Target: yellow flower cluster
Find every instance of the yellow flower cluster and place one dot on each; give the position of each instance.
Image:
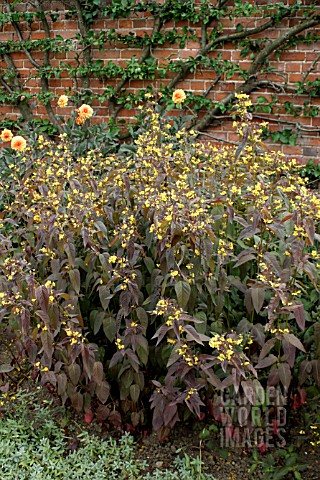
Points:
(227, 346)
(316, 435)
(280, 331)
(119, 344)
(168, 308)
(225, 248)
(243, 103)
(191, 392)
(75, 336)
(43, 369)
(190, 359)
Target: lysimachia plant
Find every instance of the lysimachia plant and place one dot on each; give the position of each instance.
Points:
(169, 273)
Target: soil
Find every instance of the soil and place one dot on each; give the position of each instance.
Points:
(221, 462)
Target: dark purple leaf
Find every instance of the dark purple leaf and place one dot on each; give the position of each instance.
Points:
(289, 351)
(266, 361)
(47, 341)
(289, 337)
(316, 371)
(249, 390)
(267, 347)
(102, 391)
(258, 296)
(97, 374)
(74, 372)
(285, 375)
(42, 296)
(305, 369)
(308, 224)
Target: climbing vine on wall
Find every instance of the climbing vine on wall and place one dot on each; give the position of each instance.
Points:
(209, 26)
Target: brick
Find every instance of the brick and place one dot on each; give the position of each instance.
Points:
(310, 152)
(293, 56)
(108, 54)
(310, 56)
(55, 82)
(130, 52)
(164, 53)
(125, 24)
(292, 150)
(293, 67)
(294, 77)
(192, 45)
(38, 35)
(111, 23)
(71, 26)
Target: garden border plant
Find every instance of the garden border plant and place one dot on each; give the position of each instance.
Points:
(168, 274)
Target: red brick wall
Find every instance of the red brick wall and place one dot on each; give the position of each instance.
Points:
(291, 66)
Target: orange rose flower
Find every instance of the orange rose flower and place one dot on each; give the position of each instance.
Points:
(85, 111)
(18, 143)
(63, 101)
(6, 135)
(178, 96)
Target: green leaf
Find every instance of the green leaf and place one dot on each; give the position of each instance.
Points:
(281, 473)
(5, 368)
(104, 295)
(46, 339)
(142, 349)
(109, 328)
(134, 392)
(201, 327)
(142, 317)
(96, 321)
(126, 378)
(149, 263)
(183, 291)
(75, 280)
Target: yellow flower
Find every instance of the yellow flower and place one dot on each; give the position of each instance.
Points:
(18, 143)
(63, 101)
(6, 135)
(178, 96)
(85, 111)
